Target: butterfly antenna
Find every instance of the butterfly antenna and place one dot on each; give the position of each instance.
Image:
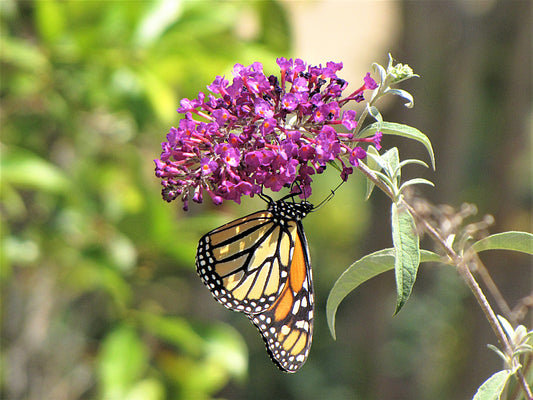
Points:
(264, 197)
(328, 197)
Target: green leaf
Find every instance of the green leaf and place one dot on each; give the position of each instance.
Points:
(147, 389)
(507, 327)
(412, 161)
(358, 273)
(416, 181)
(512, 240)
(361, 271)
(377, 160)
(493, 387)
(174, 330)
(22, 54)
(388, 162)
(50, 20)
(157, 19)
(392, 128)
(407, 252)
(387, 181)
(392, 159)
(403, 94)
(160, 95)
(374, 112)
(274, 26)
(382, 72)
(23, 168)
(500, 353)
(372, 163)
(122, 358)
(226, 349)
(217, 351)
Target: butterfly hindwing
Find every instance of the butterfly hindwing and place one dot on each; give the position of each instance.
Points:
(287, 327)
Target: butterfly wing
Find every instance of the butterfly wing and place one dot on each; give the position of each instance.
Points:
(245, 263)
(287, 326)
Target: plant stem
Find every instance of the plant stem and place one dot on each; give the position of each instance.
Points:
(493, 289)
(464, 271)
(523, 383)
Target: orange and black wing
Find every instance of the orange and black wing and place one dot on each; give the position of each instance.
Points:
(245, 263)
(287, 326)
(259, 265)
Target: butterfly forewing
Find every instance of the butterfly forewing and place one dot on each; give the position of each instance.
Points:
(245, 262)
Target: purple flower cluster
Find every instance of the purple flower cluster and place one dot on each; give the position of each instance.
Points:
(261, 132)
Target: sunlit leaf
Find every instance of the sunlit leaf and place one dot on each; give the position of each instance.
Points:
(161, 15)
(392, 128)
(377, 160)
(21, 53)
(507, 327)
(416, 181)
(24, 169)
(405, 95)
(161, 96)
(361, 271)
(227, 349)
(407, 252)
(500, 353)
(147, 389)
(174, 330)
(392, 160)
(226, 357)
(122, 252)
(121, 360)
(512, 240)
(91, 273)
(372, 163)
(50, 19)
(374, 112)
(19, 250)
(493, 387)
(207, 357)
(382, 72)
(412, 161)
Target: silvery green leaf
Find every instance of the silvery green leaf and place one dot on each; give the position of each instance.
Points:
(512, 240)
(371, 162)
(382, 72)
(407, 252)
(415, 181)
(374, 112)
(498, 352)
(361, 271)
(378, 160)
(403, 94)
(493, 387)
(392, 128)
(507, 327)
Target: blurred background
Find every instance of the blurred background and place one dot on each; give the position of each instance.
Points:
(100, 298)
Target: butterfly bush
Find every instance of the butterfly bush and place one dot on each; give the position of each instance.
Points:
(262, 132)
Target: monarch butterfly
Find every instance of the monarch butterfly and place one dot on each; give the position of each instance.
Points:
(259, 265)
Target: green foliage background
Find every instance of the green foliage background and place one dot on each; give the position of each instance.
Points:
(100, 299)
(98, 282)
